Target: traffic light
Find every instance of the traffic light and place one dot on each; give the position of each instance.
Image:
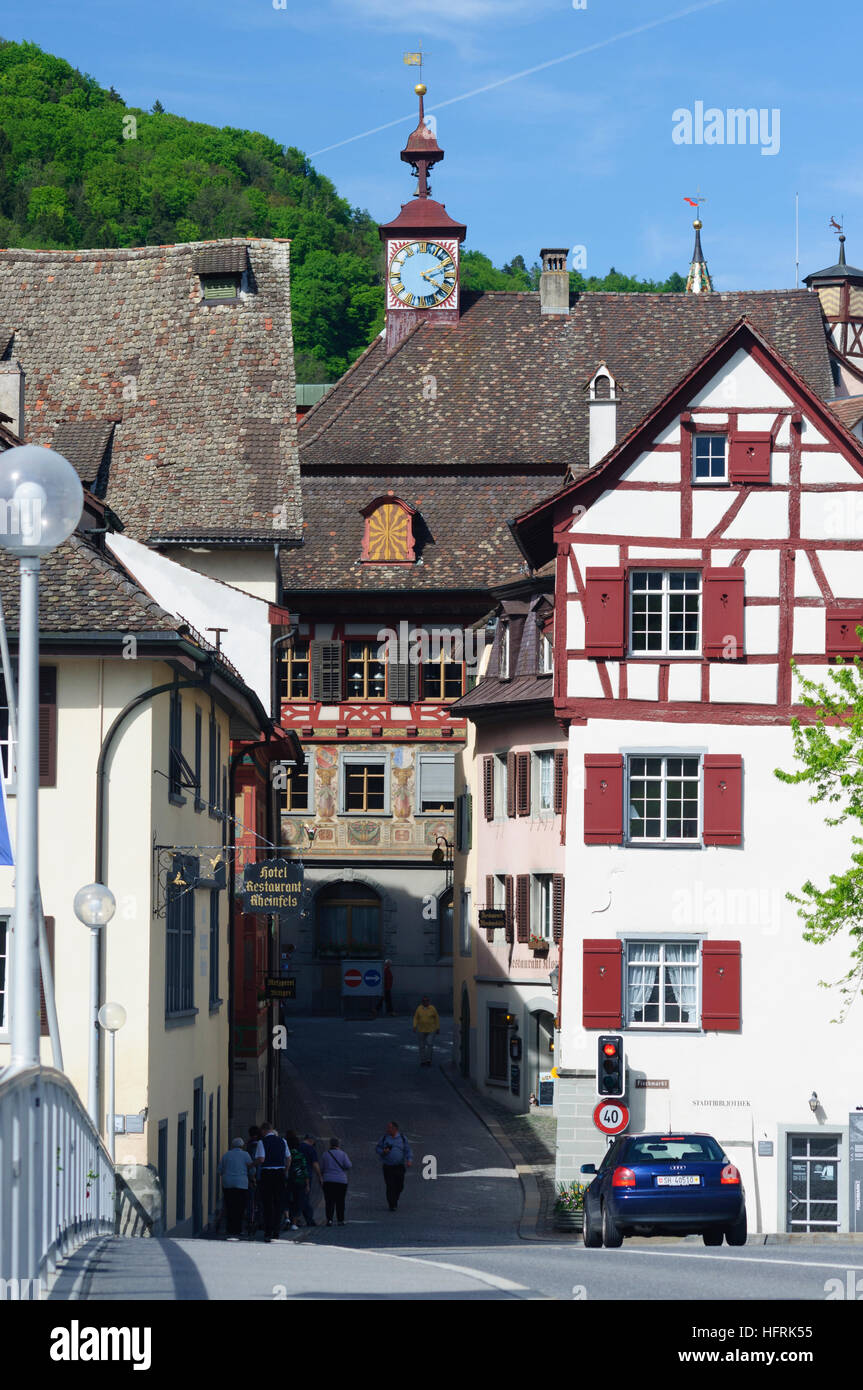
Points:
(610, 1069)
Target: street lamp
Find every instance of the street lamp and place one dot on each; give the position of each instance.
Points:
(111, 1018)
(41, 500)
(94, 906)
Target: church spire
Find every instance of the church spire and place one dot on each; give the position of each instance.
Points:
(698, 280)
(422, 150)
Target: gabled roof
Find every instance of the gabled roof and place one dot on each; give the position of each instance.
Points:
(533, 529)
(849, 410)
(203, 393)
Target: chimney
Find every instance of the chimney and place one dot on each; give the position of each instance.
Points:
(554, 282)
(12, 395)
(602, 414)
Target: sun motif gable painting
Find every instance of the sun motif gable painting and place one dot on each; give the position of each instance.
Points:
(388, 535)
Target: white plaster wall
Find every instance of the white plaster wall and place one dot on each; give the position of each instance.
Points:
(660, 552)
(832, 515)
(642, 680)
(205, 602)
(843, 570)
(761, 568)
(584, 679)
(810, 630)
(654, 468)
(827, 468)
(253, 571)
(684, 680)
(724, 894)
(780, 467)
(805, 583)
(741, 383)
(593, 557)
(756, 420)
(658, 514)
(575, 626)
(809, 434)
(763, 516)
(783, 434)
(731, 683)
(708, 508)
(761, 630)
(670, 435)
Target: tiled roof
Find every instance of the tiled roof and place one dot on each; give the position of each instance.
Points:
(468, 422)
(204, 393)
(849, 410)
(221, 260)
(491, 692)
(83, 443)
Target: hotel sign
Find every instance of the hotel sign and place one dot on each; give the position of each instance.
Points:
(275, 886)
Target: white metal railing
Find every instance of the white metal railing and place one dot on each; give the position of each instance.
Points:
(57, 1185)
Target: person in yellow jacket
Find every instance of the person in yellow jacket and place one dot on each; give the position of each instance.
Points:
(426, 1027)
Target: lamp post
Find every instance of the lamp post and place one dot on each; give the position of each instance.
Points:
(111, 1018)
(41, 500)
(94, 906)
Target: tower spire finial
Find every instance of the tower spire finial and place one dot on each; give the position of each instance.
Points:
(698, 280)
(422, 151)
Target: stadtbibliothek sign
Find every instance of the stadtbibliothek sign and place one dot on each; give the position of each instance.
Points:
(273, 886)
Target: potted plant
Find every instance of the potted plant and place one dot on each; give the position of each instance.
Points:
(537, 943)
(569, 1206)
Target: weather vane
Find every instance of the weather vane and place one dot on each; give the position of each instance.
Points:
(696, 201)
(415, 60)
(838, 226)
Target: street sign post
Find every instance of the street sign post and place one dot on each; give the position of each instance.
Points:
(361, 980)
(611, 1116)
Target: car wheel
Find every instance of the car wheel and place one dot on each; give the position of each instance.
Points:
(590, 1235)
(611, 1233)
(712, 1237)
(736, 1234)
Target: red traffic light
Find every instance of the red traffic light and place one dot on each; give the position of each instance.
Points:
(610, 1050)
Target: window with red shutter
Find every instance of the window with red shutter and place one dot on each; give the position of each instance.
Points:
(489, 902)
(841, 635)
(558, 885)
(43, 1012)
(522, 784)
(720, 986)
(603, 798)
(522, 907)
(488, 787)
(749, 457)
(604, 610)
(47, 726)
(723, 798)
(509, 906)
(602, 987)
(722, 613)
(510, 784)
(559, 781)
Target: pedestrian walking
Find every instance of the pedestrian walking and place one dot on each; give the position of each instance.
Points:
(274, 1163)
(298, 1183)
(234, 1169)
(310, 1154)
(394, 1151)
(426, 1027)
(334, 1180)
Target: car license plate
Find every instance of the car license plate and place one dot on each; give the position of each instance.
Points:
(673, 1180)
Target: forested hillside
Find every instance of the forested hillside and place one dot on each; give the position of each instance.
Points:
(78, 168)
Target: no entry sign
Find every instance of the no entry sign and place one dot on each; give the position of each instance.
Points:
(359, 978)
(611, 1117)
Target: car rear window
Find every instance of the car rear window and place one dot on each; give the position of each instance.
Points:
(696, 1148)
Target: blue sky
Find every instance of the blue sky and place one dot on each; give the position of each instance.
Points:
(579, 152)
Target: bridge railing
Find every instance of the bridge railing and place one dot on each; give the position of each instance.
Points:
(57, 1185)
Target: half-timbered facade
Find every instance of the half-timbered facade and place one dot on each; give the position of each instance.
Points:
(719, 541)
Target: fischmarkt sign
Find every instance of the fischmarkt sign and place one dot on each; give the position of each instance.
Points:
(274, 886)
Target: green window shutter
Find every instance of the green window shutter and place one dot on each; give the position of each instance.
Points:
(326, 663)
(220, 286)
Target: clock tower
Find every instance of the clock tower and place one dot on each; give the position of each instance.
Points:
(421, 246)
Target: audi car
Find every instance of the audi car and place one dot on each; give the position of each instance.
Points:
(664, 1184)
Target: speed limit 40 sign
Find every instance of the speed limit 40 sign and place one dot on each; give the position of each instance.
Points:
(611, 1117)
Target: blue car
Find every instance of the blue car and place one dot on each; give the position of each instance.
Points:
(664, 1184)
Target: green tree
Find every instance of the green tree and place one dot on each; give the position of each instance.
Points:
(829, 752)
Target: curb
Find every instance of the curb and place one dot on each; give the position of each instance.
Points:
(529, 1220)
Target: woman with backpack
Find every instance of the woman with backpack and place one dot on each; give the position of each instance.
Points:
(299, 1179)
(334, 1179)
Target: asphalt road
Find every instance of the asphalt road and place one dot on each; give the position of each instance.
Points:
(455, 1234)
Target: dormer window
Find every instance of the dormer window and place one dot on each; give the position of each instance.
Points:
(503, 653)
(220, 269)
(546, 666)
(388, 536)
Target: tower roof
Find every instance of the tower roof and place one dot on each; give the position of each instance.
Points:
(835, 273)
(698, 280)
(423, 213)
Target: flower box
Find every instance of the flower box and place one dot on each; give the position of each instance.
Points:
(537, 944)
(569, 1206)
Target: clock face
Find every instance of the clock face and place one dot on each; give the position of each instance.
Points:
(422, 274)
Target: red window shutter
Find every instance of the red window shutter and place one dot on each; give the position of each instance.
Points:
(720, 986)
(522, 784)
(604, 609)
(842, 625)
(522, 906)
(603, 798)
(602, 990)
(43, 1012)
(722, 613)
(47, 726)
(509, 905)
(557, 891)
(723, 799)
(488, 787)
(489, 902)
(559, 781)
(749, 458)
(510, 784)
